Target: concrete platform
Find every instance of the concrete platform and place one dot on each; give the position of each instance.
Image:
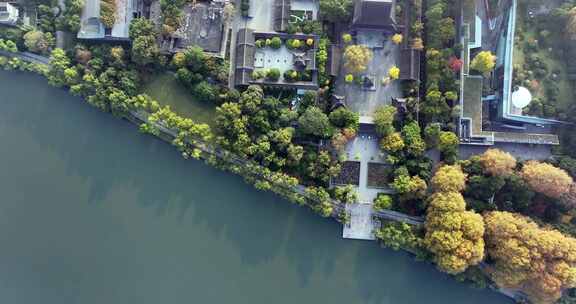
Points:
(361, 226)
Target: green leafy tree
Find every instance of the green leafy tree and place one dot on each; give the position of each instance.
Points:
(384, 119)
(344, 118)
(314, 122)
(336, 10)
(38, 42)
(413, 140)
(144, 50)
(141, 27)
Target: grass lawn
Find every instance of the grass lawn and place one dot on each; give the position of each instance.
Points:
(168, 92)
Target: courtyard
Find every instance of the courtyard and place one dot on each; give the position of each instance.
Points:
(365, 168)
(365, 100)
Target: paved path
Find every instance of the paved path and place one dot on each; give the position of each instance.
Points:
(361, 225)
(28, 57)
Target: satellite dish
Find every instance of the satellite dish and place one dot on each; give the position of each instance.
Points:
(521, 98)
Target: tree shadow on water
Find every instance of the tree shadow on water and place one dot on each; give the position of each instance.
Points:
(107, 153)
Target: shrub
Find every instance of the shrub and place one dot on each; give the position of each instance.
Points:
(273, 74)
(347, 38)
(291, 75)
(382, 202)
(397, 38)
(394, 73)
(275, 43)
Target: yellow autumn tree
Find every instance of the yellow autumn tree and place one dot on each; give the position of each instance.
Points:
(546, 179)
(540, 262)
(357, 58)
(453, 235)
(498, 162)
(484, 62)
(571, 24)
(397, 38)
(179, 59)
(394, 73)
(449, 179)
(393, 142)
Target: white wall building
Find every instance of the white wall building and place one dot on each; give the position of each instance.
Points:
(8, 13)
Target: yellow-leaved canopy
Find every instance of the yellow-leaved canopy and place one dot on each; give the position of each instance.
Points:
(540, 262)
(498, 162)
(546, 179)
(454, 235)
(449, 179)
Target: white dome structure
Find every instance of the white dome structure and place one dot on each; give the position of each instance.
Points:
(521, 98)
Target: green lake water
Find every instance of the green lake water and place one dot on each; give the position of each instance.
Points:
(165, 89)
(93, 212)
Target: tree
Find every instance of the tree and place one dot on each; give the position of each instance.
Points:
(179, 60)
(398, 235)
(498, 162)
(448, 142)
(455, 64)
(382, 202)
(144, 50)
(141, 27)
(449, 179)
(108, 13)
(349, 78)
(394, 73)
(546, 179)
(315, 122)
(383, 119)
(447, 29)
(413, 140)
(409, 187)
(397, 38)
(540, 262)
(344, 118)
(484, 62)
(515, 195)
(276, 43)
(454, 235)
(571, 23)
(59, 63)
(336, 10)
(38, 42)
(392, 143)
(346, 38)
(356, 58)
(117, 55)
(204, 91)
(8, 46)
(346, 194)
(432, 135)
(273, 74)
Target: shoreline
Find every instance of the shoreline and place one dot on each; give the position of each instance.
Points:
(224, 160)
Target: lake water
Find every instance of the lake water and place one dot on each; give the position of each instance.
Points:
(93, 212)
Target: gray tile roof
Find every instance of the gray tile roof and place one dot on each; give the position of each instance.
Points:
(374, 13)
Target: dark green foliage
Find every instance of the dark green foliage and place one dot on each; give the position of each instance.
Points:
(414, 142)
(482, 189)
(344, 118)
(273, 74)
(515, 195)
(336, 10)
(141, 27)
(315, 123)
